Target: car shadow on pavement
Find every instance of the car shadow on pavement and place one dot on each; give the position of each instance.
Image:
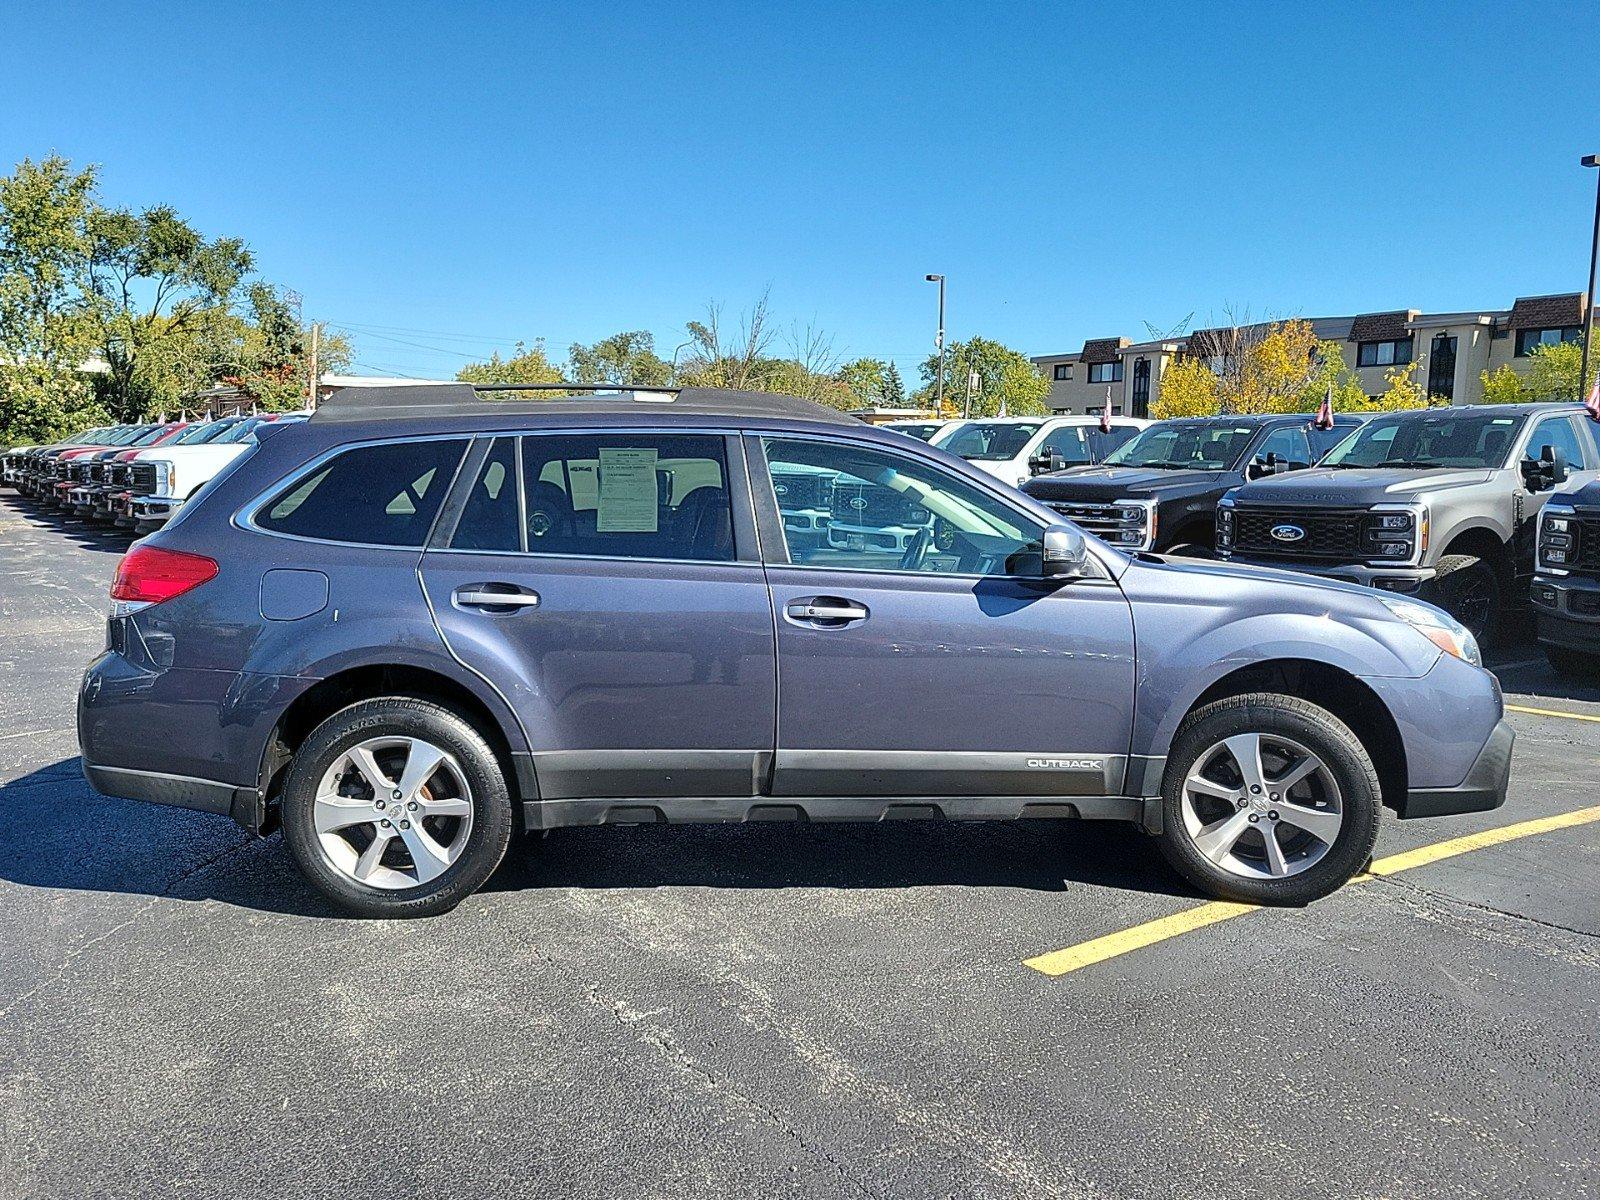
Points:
(56, 833)
(1519, 662)
(88, 535)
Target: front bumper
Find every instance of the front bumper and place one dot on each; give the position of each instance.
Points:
(1567, 610)
(153, 510)
(1388, 579)
(1484, 787)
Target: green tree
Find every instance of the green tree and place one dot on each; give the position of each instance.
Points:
(622, 358)
(528, 364)
(152, 282)
(1552, 374)
(867, 379)
(45, 333)
(894, 388)
(1007, 381)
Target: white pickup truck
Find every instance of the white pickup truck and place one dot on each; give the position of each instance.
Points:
(161, 479)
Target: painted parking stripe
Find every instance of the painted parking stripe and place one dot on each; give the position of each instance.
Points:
(1113, 945)
(1551, 712)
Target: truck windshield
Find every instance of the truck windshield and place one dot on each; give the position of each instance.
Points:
(1212, 446)
(990, 441)
(1430, 440)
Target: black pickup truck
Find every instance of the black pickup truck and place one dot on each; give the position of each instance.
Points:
(1566, 585)
(1160, 490)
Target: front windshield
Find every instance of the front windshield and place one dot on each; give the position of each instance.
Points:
(154, 434)
(1208, 446)
(920, 432)
(990, 441)
(241, 431)
(201, 433)
(1439, 439)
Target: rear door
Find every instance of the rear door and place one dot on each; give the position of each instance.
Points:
(945, 667)
(608, 585)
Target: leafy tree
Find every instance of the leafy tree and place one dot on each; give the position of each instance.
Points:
(622, 358)
(1552, 375)
(894, 388)
(1278, 367)
(867, 379)
(45, 335)
(529, 364)
(1007, 381)
(151, 281)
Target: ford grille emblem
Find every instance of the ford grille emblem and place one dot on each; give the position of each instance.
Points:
(781, 489)
(1287, 533)
(858, 503)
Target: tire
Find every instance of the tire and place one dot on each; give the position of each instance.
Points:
(1573, 664)
(1468, 589)
(457, 851)
(1344, 786)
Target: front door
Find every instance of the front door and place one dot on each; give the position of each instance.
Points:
(921, 654)
(597, 581)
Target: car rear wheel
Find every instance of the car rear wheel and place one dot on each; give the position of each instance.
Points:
(1466, 587)
(1268, 799)
(396, 807)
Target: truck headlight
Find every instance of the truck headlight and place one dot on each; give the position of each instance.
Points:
(1136, 524)
(1438, 626)
(1395, 534)
(1557, 538)
(165, 477)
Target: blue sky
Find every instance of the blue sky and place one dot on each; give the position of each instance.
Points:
(444, 180)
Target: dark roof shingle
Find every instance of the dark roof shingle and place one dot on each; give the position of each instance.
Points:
(1103, 350)
(1547, 312)
(1382, 327)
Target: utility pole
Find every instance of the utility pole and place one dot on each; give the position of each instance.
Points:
(938, 411)
(316, 346)
(1590, 160)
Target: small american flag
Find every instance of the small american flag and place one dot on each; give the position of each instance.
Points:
(1105, 414)
(1324, 417)
(1591, 402)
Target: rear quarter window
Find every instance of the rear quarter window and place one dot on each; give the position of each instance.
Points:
(383, 495)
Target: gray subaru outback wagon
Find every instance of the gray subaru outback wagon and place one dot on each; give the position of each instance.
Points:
(432, 615)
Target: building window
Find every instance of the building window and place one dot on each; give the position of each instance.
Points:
(1383, 354)
(1530, 339)
(1063, 371)
(1110, 372)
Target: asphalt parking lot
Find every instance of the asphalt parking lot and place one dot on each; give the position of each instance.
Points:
(774, 1009)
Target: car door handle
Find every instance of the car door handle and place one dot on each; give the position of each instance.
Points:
(825, 608)
(480, 595)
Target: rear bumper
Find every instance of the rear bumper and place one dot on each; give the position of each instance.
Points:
(1484, 787)
(156, 787)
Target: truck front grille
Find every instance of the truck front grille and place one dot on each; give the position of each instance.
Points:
(1330, 535)
(869, 504)
(795, 492)
(1586, 554)
(142, 478)
(1103, 520)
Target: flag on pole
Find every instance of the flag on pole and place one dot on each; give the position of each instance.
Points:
(1324, 417)
(1591, 402)
(1105, 414)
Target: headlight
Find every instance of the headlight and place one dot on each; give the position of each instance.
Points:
(164, 477)
(1439, 627)
(1556, 542)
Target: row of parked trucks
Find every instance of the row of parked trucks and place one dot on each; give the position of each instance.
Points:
(132, 476)
(1475, 509)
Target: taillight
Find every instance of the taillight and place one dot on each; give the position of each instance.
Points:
(151, 574)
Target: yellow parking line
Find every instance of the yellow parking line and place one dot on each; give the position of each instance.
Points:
(1551, 712)
(1112, 945)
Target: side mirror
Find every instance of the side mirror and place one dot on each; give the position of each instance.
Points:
(1545, 472)
(1257, 469)
(1065, 554)
(1045, 462)
(1555, 460)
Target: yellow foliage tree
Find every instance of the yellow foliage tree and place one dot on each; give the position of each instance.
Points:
(1188, 389)
(1276, 368)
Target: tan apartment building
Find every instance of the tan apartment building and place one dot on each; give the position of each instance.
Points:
(1452, 351)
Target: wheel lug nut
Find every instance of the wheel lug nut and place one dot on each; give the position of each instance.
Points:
(1256, 788)
(1273, 815)
(1243, 802)
(379, 804)
(1254, 817)
(412, 806)
(1274, 796)
(384, 823)
(396, 793)
(405, 824)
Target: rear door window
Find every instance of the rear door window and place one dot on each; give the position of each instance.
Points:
(660, 496)
(383, 495)
(489, 515)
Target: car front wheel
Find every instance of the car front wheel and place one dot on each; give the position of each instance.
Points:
(1268, 799)
(396, 807)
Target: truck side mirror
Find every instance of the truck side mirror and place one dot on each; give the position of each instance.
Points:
(1046, 461)
(1065, 555)
(1555, 460)
(1545, 472)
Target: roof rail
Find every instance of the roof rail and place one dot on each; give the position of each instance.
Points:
(468, 399)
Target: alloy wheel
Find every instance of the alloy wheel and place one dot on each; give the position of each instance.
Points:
(393, 812)
(1261, 806)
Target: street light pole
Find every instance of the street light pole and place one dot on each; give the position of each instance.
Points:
(1590, 160)
(939, 341)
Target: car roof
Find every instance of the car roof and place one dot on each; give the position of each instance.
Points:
(1263, 418)
(451, 402)
(1497, 410)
